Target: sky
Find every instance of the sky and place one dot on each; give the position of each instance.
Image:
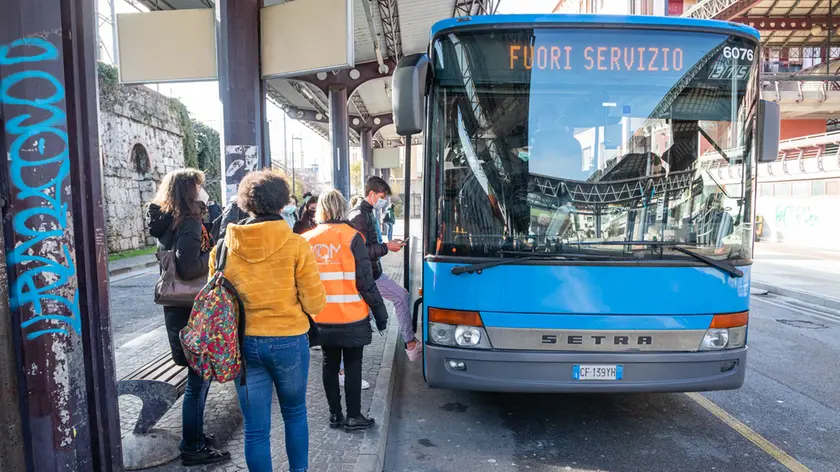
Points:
(201, 98)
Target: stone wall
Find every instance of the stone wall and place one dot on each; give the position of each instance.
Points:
(141, 139)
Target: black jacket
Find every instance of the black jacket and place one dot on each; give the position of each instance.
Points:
(304, 224)
(190, 263)
(361, 218)
(359, 333)
(231, 215)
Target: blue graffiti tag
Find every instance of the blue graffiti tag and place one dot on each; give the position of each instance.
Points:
(47, 273)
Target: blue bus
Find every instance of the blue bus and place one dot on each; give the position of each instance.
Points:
(575, 235)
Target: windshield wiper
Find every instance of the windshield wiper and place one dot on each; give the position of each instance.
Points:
(519, 256)
(469, 269)
(721, 265)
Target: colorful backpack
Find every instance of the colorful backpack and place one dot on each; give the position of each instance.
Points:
(212, 338)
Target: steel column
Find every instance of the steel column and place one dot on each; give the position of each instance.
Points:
(340, 140)
(407, 215)
(367, 153)
(54, 238)
(242, 91)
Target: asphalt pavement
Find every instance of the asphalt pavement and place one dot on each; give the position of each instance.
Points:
(785, 417)
(133, 310)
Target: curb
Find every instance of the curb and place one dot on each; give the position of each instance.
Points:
(803, 295)
(125, 270)
(372, 451)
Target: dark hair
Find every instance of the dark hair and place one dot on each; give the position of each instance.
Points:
(263, 193)
(377, 185)
(178, 195)
(307, 195)
(312, 200)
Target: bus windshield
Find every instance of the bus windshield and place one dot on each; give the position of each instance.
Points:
(548, 139)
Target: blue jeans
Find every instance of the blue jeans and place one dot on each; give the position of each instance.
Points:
(192, 413)
(280, 363)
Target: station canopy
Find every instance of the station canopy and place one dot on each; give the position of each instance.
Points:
(384, 31)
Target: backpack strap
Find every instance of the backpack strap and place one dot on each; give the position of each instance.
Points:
(221, 260)
(221, 255)
(240, 330)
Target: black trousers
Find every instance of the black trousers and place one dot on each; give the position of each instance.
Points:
(352, 378)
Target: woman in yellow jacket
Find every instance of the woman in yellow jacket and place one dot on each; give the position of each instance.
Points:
(347, 275)
(275, 273)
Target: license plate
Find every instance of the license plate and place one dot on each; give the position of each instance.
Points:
(597, 372)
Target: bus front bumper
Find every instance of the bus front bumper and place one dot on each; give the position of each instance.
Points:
(530, 371)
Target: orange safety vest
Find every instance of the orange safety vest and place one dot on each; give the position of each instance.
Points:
(331, 245)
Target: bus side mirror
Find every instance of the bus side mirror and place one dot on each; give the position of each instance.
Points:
(409, 92)
(769, 123)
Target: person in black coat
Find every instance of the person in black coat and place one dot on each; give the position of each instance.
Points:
(174, 218)
(362, 218)
(307, 219)
(230, 216)
(349, 339)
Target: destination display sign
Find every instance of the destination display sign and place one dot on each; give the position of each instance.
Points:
(603, 58)
(608, 56)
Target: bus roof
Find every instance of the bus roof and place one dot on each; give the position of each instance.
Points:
(639, 21)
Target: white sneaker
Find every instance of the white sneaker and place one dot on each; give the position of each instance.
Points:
(414, 354)
(365, 384)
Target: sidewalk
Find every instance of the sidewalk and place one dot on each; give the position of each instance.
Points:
(129, 264)
(807, 274)
(330, 450)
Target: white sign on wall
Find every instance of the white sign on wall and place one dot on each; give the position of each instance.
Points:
(306, 36)
(386, 158)
(167, 46)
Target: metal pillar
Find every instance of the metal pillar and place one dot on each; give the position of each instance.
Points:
(12, 455)
(407, 215)
(367, 154)
(55, 252)
(598, 211)
(386, 174)
(242, 91)
(340, 139)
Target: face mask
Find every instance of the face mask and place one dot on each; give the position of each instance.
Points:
(381, 203)
(203, 196)
(290, 208)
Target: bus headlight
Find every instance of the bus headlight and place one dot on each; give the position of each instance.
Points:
(727, 331)
(724, 338)
(458, 336)
(467, 336)
(443, 334)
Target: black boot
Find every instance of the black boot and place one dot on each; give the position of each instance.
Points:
(208, 455)
(336, 420)
(358, 423)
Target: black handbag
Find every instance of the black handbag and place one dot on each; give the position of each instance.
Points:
(314, 332)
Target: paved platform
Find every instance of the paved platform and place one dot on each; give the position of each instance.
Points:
(330, 450)
(804, 273)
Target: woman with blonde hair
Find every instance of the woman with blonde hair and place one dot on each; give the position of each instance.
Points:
(174, 218)
(347, 276)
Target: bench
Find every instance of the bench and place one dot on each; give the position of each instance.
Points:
(158, 384)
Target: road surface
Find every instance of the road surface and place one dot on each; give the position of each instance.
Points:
(786, 417)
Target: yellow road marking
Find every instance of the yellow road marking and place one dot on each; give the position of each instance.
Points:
(783, 457)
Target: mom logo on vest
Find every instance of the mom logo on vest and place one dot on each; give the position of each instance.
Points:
(326, 252)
